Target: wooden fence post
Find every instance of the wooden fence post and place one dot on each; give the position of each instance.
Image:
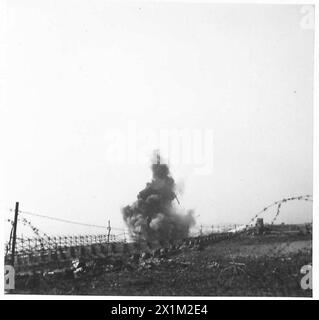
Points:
(108, 236)
(15, 225)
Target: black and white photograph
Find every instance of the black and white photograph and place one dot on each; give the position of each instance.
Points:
(157, 149)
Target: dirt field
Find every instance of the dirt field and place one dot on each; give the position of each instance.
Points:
(249, 266)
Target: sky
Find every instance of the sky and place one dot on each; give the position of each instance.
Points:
(76, 71)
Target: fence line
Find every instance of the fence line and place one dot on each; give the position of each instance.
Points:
(279, 205)
(67, 247)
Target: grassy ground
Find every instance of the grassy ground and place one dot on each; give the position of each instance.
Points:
(250, 266)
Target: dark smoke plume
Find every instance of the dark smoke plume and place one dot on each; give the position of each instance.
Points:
(156, 215)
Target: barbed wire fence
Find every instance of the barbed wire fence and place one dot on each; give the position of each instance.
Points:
(42, 243)
(43, 247)
(277, 251)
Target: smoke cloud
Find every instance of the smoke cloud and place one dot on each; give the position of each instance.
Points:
(156, 214)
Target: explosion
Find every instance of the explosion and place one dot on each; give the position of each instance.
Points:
(155, 216)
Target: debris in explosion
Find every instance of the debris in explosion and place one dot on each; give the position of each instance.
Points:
(155, 216)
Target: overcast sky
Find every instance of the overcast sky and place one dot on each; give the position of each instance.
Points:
(76, 69)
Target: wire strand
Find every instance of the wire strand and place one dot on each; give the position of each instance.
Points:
(67, 221)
